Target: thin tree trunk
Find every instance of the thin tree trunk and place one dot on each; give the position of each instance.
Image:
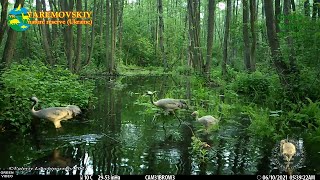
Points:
(3, 22)
(54, 27)
(161, 31)
(292, 56)
(210, 31)
(225, 40)
(86, 46)
(48, 34)
(306, 6)
(253, 34)
(277, 14)
(245, 30)
(108, 39)
(79, 39)
(293, 5)
(10, 43)
(44, 34)
(92, 32)
(280, 65)
(120, 25)
(114, 13)
(68, 34)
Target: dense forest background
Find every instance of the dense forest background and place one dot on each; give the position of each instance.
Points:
(260, 52)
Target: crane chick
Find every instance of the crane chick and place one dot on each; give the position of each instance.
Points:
(206, 121)
(55, 114)
(287, 149)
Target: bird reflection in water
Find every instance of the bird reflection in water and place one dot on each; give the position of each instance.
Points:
(54, 160)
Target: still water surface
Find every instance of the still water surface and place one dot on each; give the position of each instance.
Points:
(117, 136)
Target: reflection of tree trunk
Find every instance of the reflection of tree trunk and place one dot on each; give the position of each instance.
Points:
(185, 151)
(3, 22)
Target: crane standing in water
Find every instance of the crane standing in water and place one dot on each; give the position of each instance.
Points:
(55, 114)
(169, 105)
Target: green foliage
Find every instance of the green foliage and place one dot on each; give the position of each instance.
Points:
(254, 86)
(261, 125)
(53, 87)
(309, 114)
(199, 150)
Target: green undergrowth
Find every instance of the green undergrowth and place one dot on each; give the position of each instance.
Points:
(52, 86)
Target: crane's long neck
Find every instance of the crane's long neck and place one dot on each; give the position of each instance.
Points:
(33, 110)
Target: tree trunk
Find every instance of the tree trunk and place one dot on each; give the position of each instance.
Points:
(161, 31)
(68, 34)
(292, 56)
(293, 5)
(114, 13)
(120, 25)
(44, 33)
(101, 19)
(315, 9)
(277, 14)
(79, 39)
(225, 40)
(280, 65)
(253, 34)
(92, 32)
(3, 22)
(306, 6)
(108, 37)
(86, 38)
(210, 31)
(245, 30)
(194, 33)
(54, 27)
(48, 34)
(10, 43)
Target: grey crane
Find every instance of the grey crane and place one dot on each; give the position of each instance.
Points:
(287, 149)
(206, 121)
(55, 114)
(169, 105)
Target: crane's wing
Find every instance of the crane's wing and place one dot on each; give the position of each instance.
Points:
(171, 103)
(55, 113)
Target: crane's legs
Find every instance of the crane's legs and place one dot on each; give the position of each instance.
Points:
(180, 121)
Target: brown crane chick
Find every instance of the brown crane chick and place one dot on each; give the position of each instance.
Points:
(55, 114)
(206, 121)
